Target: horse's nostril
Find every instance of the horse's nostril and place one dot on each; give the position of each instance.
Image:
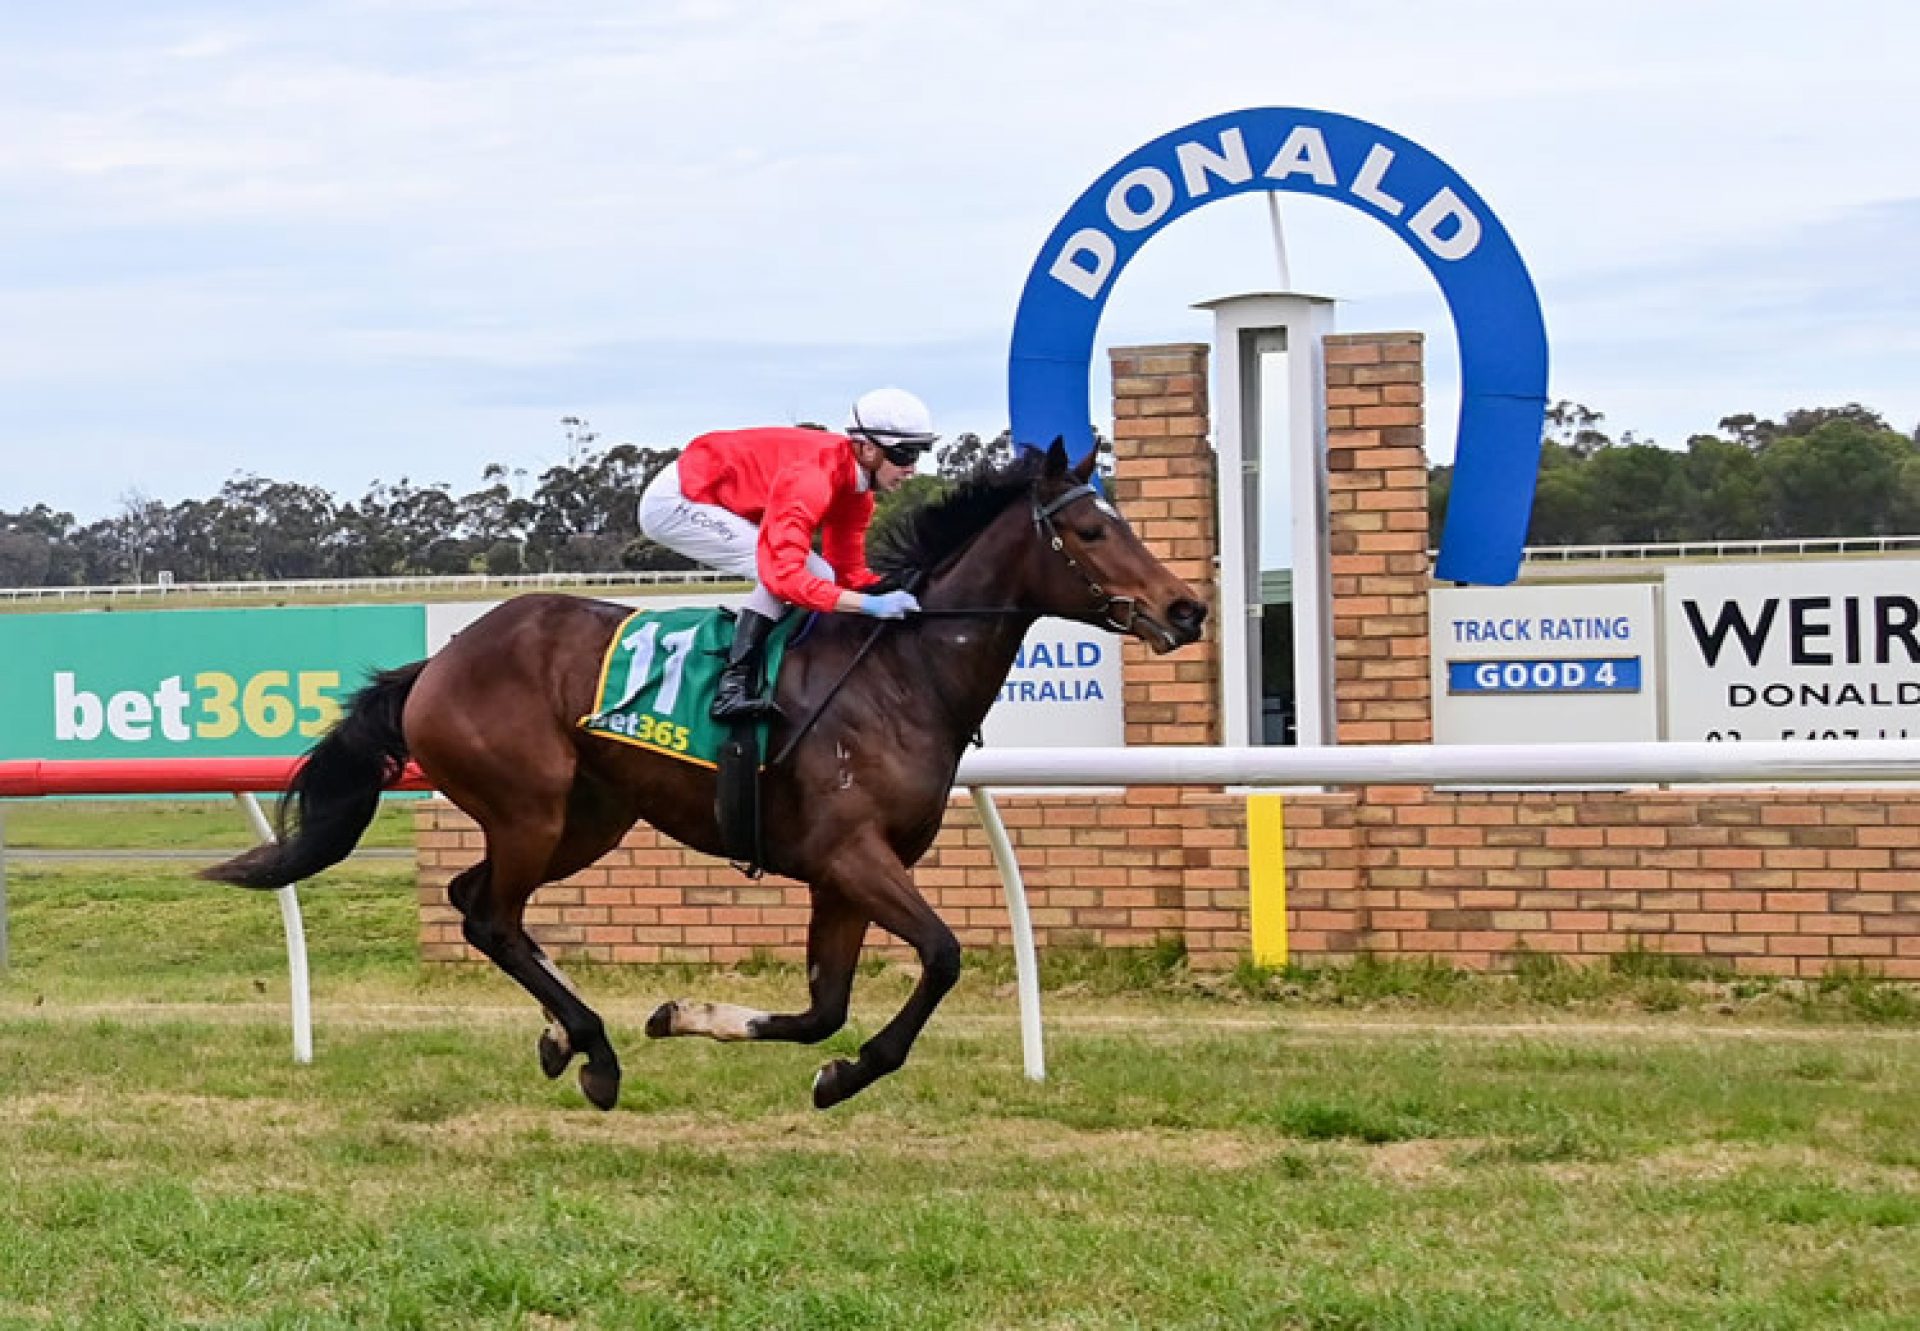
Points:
(1187, 616)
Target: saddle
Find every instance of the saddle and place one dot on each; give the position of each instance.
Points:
(656, 687)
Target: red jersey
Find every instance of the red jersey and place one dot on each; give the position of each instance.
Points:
(793, 482)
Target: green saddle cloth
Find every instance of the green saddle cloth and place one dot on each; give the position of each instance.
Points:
(657, 682)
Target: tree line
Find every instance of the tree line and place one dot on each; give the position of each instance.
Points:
(1838, 471)
(576, 516)
(1826, 471)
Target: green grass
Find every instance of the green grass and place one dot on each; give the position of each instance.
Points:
(1626, 984)
(215, 822)
(1391, 1147)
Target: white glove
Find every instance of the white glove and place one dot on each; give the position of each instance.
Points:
(889, 605)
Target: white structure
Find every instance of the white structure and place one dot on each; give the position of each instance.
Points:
(1270, 435)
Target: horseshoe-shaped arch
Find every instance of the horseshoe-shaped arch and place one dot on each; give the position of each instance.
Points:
(1496, 313)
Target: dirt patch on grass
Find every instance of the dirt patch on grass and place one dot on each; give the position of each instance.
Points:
(1154, 1026)
(1423, 1160)
(1707, 1162)
(1032, 1140)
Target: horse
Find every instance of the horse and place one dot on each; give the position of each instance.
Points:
(873, 717)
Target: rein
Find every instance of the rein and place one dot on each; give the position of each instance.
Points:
(793, 740)
(1043, 526)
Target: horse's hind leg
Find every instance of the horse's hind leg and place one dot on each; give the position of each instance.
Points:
(519, 856)
(834, 935)
(556, 1048)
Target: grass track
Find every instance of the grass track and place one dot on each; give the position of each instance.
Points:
(1419, 1156)
(163, 824)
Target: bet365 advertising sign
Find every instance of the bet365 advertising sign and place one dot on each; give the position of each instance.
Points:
(190, 683)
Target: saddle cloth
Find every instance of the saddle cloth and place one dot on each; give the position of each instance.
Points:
(658, 677)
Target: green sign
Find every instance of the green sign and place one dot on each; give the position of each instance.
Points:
(190, 683)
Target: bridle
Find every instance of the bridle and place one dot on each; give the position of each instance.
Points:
(1044, 528)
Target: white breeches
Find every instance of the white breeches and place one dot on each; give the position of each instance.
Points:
(717, 537)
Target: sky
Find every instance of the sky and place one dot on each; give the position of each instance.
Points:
(362, 241)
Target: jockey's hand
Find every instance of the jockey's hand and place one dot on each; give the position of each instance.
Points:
(889, 605)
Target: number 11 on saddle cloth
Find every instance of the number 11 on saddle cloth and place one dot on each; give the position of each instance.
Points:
(658, 677)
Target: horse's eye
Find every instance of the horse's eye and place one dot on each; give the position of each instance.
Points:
(1091, 535)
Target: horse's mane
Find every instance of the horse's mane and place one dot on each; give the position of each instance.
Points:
(917, 540)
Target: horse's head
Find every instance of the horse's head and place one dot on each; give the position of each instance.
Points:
(1094, 568)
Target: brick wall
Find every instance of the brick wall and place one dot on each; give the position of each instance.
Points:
(1789, 882)
(1779, 882)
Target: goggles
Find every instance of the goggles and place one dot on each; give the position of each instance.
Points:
(900, 448)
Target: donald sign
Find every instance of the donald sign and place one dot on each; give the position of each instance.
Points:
(1496, 315)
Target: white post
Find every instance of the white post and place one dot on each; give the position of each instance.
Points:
(1026, 965)
(1268, 380)
(296, 932)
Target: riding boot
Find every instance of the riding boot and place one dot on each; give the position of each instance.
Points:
(741, 692)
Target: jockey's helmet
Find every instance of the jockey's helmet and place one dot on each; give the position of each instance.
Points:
(895, 420)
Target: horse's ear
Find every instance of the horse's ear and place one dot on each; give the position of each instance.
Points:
(1083, 470)
(1056, 459)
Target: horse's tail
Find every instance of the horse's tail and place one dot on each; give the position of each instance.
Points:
(336, 792)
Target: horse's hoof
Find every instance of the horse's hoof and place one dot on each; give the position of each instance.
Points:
(554, 1056)
(660, 1024)
(833, 1083)
(600, 1086)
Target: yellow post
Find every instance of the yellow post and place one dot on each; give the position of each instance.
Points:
(1267, 877)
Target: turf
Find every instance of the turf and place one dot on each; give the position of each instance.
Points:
(1383, 1147)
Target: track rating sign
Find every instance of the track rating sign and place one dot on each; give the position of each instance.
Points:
(1537, 665)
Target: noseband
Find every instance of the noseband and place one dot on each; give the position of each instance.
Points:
(1116, 612)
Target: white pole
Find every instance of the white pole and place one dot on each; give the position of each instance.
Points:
(296, 932)
(1279, 240)
(1026, 965)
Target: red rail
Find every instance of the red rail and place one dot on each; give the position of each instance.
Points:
(32, 777)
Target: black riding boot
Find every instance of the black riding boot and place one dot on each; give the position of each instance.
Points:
(741, 692)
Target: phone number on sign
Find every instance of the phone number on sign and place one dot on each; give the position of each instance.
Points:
(1816, 732)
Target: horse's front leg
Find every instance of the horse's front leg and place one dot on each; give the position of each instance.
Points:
(875, 883)
(835, 933)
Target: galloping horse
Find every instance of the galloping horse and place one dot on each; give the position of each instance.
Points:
(874, 717)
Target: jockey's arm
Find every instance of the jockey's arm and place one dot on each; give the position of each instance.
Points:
(796, 503)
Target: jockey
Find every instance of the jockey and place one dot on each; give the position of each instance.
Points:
(750, 502)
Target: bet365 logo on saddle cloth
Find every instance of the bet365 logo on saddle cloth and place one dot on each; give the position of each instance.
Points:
(656, 684)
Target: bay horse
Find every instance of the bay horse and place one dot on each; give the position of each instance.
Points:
(874, 717)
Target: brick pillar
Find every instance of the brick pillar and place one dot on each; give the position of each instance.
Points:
(1164, 481)
(1377, 530)
(1377, 534)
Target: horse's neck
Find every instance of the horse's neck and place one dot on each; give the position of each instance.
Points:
(965, 658)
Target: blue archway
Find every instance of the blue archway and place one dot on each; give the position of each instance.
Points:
(1496, 314)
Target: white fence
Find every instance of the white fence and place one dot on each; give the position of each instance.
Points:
(1760, 763)
(485, 586)
(1852, 762)
(1768, 549)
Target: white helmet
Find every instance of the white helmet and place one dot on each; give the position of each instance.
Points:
(894, 419)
